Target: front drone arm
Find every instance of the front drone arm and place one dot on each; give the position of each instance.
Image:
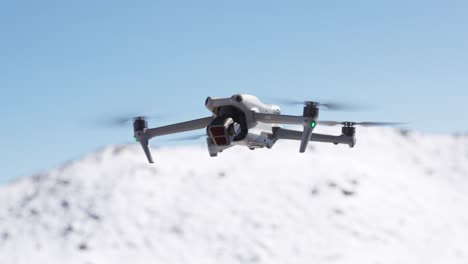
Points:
(179, 127)
(281, 133)
(143, 134)
(308, 120)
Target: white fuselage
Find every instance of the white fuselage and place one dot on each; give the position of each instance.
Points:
(259, 134)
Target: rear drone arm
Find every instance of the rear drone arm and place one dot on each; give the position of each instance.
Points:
(143, 134)
(279, 119)
(308, 120)
(281, 133)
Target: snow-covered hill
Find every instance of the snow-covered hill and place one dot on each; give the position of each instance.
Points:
(395, 198)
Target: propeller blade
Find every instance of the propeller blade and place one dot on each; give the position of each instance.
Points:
(328, 123)
(327, 105)
(124, 120)
(374, 124)
(188, 138)
(289, 102)
(336, 106)
(365, 124)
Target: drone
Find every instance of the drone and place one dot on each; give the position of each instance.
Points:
(244, 120)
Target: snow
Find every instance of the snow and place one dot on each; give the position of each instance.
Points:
(394, 198)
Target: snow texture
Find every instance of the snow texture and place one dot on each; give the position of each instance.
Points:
(397, 197)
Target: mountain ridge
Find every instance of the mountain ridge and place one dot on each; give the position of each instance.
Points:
(395, 198)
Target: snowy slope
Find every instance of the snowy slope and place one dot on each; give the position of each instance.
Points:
(394, 198)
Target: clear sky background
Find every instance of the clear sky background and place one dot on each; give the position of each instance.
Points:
(66, 65)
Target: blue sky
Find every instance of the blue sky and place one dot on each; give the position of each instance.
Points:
(65, 65)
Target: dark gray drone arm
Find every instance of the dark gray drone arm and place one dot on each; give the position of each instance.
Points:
(281, 133)
(278, 119)
(179, 127)
(144, 134)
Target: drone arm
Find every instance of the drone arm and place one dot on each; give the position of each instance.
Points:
(281, 133)
(278, 119)
(178, 128)
(144, 134)
(341, 139)
(145, 145)
(308, 120)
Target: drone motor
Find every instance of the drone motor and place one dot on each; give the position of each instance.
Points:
(310, 110)
(348, 129)
(140, 124)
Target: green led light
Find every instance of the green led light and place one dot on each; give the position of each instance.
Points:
(313, 124)
(136, 139)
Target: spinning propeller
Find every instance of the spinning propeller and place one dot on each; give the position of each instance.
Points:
(125, 120)
(364, 124)
(189, 138)
(327, 105)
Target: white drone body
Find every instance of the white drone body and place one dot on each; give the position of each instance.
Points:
(249, 132)
(244, 120)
